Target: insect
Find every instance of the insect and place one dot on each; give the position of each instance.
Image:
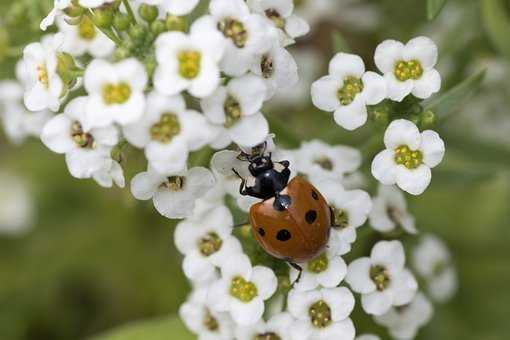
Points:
(293, 221)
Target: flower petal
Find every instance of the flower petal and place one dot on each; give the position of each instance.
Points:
(402, 132)
(428, 84)
(352, 116)
(384, 168)
(387, 54)
(377, 303)
(375, 89)
(341, 302)
(389, 254)
(432, 147)
(413, 181)
(346, 65)
(422, 49)
(358, 276)
(324, 93)
(250, 131)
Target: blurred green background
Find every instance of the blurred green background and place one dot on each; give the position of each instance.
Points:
(97, 259)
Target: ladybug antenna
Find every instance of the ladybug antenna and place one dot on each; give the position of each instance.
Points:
(237, 173)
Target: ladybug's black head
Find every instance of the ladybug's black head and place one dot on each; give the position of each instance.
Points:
(260, 164)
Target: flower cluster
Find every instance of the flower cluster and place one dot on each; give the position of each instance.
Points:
(122, 74)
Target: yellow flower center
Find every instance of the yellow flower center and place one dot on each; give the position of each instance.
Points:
(324, 162)
(116, 93)
(341, 218)
(174, 183)
(320, 314)
(232, 111)
(351, 88)
(275, 17)
(166, 129)
(267, 336)
(234, 30)
(243, 290)
(319, 265)
(86, 29)
(405, 70)
(380, 276)
(408, 158)
(82, 139)
(210, 244)
(189, 63)
(42, 75)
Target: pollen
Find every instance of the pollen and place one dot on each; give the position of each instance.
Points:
(320, 314)
(319, 264)
(351, 88)
(210, 244)
(380, 276)
(275, 17)
(189, 63)
(324, 162)
(86, 29)
(233, 112)
(42, 75)
(234, 30)
(408, 158)
(116, 93)
(166, 129)
(341, 218)
(174, 183)
(243, 290)
(82, 139)
(405, 70)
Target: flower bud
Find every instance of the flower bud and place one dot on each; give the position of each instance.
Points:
(121, 53)
(158, 27)
(121, 21)
(103, 17)
(148, 13)
(175, 23)
(136, 32)
(427, 119)
(74, 11)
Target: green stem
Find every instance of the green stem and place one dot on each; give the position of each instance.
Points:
(106, 31)
(129, 11)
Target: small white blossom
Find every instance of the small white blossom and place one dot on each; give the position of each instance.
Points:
(94, 3)
(409, 69)
(58, 7)
(327, 270)
(350, 211)
(110, 173)
(168, 132)
(381, 279)
(277, 327)
(85, 37)
(115, 92)
(347, 90)
(322, 314)
(174, 195)
(189, 61)
(432, 261)
(318, 160)
(409, 157)
(390, 211)
(43, 86)
(16, 205)
(86, 150)
(404, 322)
(234, 110)
(198, 315)
(206, 243)
(242, 290)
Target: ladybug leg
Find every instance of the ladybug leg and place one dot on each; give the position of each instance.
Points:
(299, 269)
(242, 187)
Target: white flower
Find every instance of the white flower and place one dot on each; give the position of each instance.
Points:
(382, 279)
(43, 88)
(168, 132)
(432, 261)
(277, 68)
(319, 160)
(404, 322)
(246, 35)
(85, 38)
(86, 150)
(368, 337)
(327, 270)
(16, 205)
(235, 111)
(174, 7)
(322, 314)
(408, 157)
(390, 211)
(173, 195)
(94, 3)
(277, 327)
(350, 210)
(58, 7)
(201, 319)
(347, 91)
(189, 61)
(409, 69)
(110, 173)
(206, 243)
(115, 92)
(242, 290)
(279, 13)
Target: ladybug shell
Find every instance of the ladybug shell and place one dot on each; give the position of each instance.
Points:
(299, 233)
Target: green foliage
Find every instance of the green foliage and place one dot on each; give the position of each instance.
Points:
(497, 24)
(434, 7)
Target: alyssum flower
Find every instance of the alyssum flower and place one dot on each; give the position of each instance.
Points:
(277, 327)
(408, 157)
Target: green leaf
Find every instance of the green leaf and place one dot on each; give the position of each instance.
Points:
(434, 7)
(488, 153)
(497, 24)
(339, 43)
(446, 104)
(159, 329)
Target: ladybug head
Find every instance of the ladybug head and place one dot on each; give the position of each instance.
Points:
(259, 164)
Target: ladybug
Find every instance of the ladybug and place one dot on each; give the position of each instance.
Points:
(293, 220)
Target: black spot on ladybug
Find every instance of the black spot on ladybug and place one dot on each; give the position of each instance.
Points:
(261, 232)
(311, 216)
(283, 235)
(315, 195)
